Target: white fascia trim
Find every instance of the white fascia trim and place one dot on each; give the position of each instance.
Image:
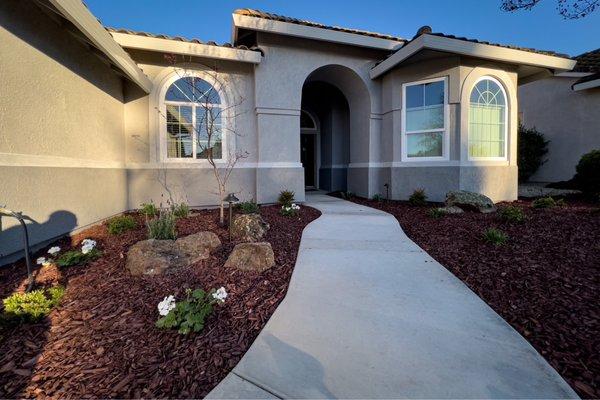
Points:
(132, 41)
(471, 49)
(311, 32)
(572, 74)
(587, 85)
(86, 22)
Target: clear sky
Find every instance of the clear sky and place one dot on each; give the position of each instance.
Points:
(541, 28)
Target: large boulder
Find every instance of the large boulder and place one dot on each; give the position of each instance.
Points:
(470, 201)
(249, 227)
(156, 257)
(251, 257)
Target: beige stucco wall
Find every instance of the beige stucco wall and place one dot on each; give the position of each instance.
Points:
(569, 119)
(62, 149)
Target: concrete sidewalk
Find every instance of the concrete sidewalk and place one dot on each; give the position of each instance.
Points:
(370, 315)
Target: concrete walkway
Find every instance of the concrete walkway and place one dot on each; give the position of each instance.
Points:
(370, 315)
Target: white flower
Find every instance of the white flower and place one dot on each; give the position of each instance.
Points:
(87, 245)
(53, 250)
(41, 261)
(220, 294)
(166, 305)
(295, 207)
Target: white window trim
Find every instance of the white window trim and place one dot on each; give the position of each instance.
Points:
(162, 122)
(446, 140)
(505, 158)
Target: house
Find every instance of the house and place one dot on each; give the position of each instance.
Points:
(93, 122)
(564, 107)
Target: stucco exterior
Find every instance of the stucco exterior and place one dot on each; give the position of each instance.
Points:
(96, 144)
(569, 119)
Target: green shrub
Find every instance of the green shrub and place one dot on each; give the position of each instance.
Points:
(76, 257)
(286, 198)
(348, 195)
(418, 198)
(34, 305)
(181, 210)
(436, 213)
(120, 224)
(289, 211)
(378, 197)
(249, 207)
(547, 202)
(148, 209)
(163, 226)
(532, 147)
(511, 214)
(190, 314)
(588, 173)
(495, 236)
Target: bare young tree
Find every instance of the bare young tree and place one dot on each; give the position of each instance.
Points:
(201, 128)
(569, 9)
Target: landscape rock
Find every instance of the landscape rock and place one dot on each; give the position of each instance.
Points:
(251, 257)
(249, 227)
(156, 257)
(452, 210)
(470, 201)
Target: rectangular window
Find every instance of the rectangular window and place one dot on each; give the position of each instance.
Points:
(209, 122)
(424, 118)
(179, 132)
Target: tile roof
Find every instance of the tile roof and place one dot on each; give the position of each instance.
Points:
(264, 15)
(178, 38)
(588, 62)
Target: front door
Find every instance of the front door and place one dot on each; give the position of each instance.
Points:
(307, 158)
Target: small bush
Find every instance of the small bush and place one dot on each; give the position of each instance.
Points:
(347, 195)
(547, 202)
(588, 173)
(189, 315)
(530, 154)
(418, 198)
(436, 213)
(495, 236)
(76, 257)
(34, 305)
(249, 207)
(289, 211)
(120, 224)
(378, 197)
(511, 214)
(181, 210)
(148, 209)
(163, 226)
(286, 198)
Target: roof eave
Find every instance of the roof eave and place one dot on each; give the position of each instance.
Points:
(133, 41)
(586, 85)
(478, 50)
(78, 14)
(311, 32)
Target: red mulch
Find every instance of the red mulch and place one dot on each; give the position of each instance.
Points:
(545, 281)
(101, 342)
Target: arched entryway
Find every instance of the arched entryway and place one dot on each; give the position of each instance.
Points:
(334, 128)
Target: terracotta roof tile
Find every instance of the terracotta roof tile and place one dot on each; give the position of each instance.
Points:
(588, 62)
(264, 15)
(178, 38)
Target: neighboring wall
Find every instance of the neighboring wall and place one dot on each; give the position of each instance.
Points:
(569, 119)
(62, 149)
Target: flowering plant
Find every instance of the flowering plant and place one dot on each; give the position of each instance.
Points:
(88, 253)
(43, 261)
(290, 210)
(189, 315)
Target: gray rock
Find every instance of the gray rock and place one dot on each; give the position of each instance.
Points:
(451, 210)
(251, 257)
(249, 227)
(470, 201)
(156, 257)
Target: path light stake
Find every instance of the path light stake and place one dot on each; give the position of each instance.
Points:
(5, 212)
(231, 199)
(387, 191)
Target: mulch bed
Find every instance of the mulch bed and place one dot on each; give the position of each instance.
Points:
(101, 341)
(545, 281)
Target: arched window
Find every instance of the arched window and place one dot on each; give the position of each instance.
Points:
(193, 120)
(487, 120)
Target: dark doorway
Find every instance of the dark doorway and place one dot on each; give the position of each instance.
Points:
(307, 158)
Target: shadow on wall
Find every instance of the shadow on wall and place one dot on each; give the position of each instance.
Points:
(11, 238)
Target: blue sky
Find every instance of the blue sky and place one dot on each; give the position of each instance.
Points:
(542, 28)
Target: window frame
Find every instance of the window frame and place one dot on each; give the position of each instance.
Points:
(162, 115)
(506, 112)
(404, 135)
